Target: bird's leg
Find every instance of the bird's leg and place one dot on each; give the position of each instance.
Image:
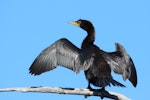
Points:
(102, 89)
(101, 92)
(89, 87)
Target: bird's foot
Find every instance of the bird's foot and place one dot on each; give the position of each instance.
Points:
(103, 93)
(89, 88)
(102, 89)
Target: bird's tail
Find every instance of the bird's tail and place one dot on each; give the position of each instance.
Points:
(116, 83)
(102, 82)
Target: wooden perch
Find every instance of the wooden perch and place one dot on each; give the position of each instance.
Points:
(73, 91)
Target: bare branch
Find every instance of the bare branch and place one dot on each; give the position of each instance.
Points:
(73, 91)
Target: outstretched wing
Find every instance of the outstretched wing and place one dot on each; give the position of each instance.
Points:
(121, 63)
(62, 53)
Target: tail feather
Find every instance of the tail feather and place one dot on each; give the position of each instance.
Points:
(115, 83)
(102, 82)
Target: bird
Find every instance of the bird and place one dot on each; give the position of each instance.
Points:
(96, 63)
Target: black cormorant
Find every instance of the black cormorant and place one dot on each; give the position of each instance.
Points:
(96, 63)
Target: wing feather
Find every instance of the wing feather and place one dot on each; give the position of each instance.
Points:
(121, 63)
(62, 53)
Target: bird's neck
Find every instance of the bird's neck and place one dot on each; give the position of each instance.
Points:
(89, 40)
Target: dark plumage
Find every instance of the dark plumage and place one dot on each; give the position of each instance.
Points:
(96, 63)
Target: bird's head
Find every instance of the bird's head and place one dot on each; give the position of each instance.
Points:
(84, 24)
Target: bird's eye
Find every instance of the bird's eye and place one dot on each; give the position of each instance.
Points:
(79, 22)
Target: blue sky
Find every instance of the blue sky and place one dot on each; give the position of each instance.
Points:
(29, 26)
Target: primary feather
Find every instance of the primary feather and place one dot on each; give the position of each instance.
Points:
(62, 53)
(121, 63)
